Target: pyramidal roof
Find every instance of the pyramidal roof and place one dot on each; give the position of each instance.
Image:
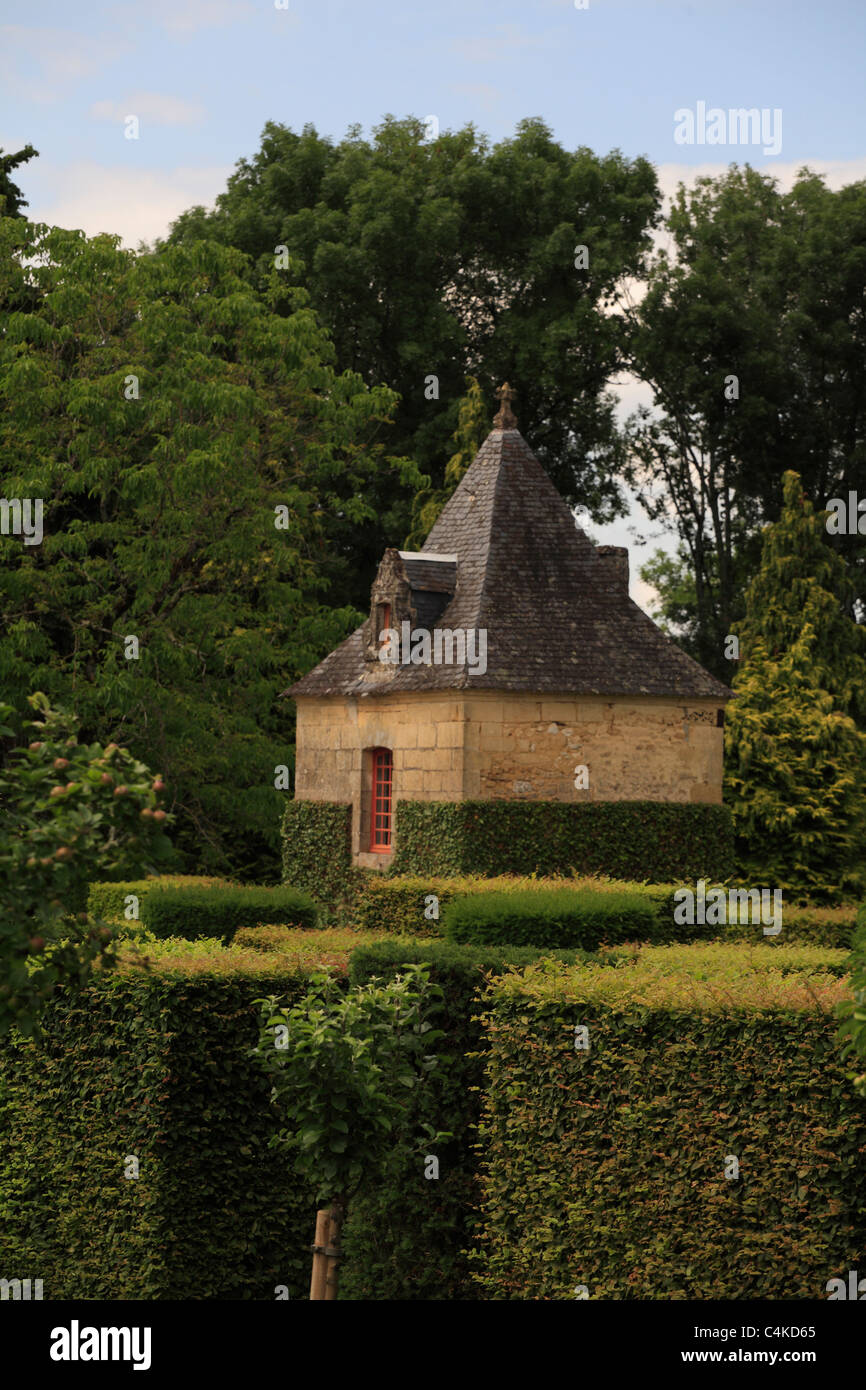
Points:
(555, 607)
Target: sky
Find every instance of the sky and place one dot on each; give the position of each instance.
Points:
(203, 76)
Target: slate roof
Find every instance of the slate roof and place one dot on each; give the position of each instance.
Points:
(558, 620)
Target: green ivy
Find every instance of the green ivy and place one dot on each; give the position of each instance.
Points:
(635, 840)
(317, 849)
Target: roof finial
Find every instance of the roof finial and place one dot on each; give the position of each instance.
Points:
(505, 419)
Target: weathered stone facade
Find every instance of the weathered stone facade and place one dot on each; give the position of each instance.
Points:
(506, 747)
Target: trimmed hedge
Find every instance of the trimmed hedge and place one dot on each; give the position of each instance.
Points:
(192, 912)
(399, 905)
(106, 901)
(642, 840)
(558, 917)
(852, 1033)
(606, 1167)
(317, 849)
(410, 1242)
(155, 1064)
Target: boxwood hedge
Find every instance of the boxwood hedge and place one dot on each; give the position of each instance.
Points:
(195, 911)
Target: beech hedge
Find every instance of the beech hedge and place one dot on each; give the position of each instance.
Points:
(412, 1241)
(153, 1062)
(700, 1141)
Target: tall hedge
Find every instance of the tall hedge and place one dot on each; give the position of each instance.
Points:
(156, 1065)
(411, 1240)
(604, 1168)
(317, 849)
(638, 840)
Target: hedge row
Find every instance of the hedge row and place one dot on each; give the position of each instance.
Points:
(641, 840)
(107, 902)
(412, 1242)
(853, 1030)
(153, 1066)
(606, 1153)
(193, 912)
(557, 917)
(413, 905)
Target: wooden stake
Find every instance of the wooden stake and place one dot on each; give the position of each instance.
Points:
(336, 1215)
(320, 1260)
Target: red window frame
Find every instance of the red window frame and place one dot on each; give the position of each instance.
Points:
(381, 801)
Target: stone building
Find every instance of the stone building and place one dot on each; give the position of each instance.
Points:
(505, 660)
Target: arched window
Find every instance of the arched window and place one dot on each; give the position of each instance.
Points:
(381, 804)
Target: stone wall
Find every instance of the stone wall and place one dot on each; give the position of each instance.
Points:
(424, 732)
(505, 746)
(633, 749)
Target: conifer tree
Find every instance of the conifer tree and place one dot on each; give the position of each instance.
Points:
(801, 580)
(795, 756)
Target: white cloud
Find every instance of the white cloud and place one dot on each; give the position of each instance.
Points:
(60, 57)
(487, 96)
(156, 107)
(182, 17)
(837, 172)
(509, 40)
(138, 204)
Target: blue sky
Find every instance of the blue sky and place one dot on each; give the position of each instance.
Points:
(203, 76)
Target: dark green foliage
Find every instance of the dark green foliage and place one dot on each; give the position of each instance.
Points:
(158, 1066)
(409, 1241)
(107, 901)
(317, 849)
(219, 911)
(606, 1167)
(68, 811)
(12, 199)
(345, 1067)
(134, 388)
(453, 255)
(853, 1011)
(558, 917)
(795, 764)
(630, 840)
(762, 284)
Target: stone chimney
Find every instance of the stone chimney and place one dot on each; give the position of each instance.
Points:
(614, 559)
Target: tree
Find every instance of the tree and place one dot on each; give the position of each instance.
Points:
(11, 198)
(471, 431)
(343, 1065)
(795, 757)
(432, 259)
(70, 813)
(752, 336)
(802, 580)
(205, 474)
